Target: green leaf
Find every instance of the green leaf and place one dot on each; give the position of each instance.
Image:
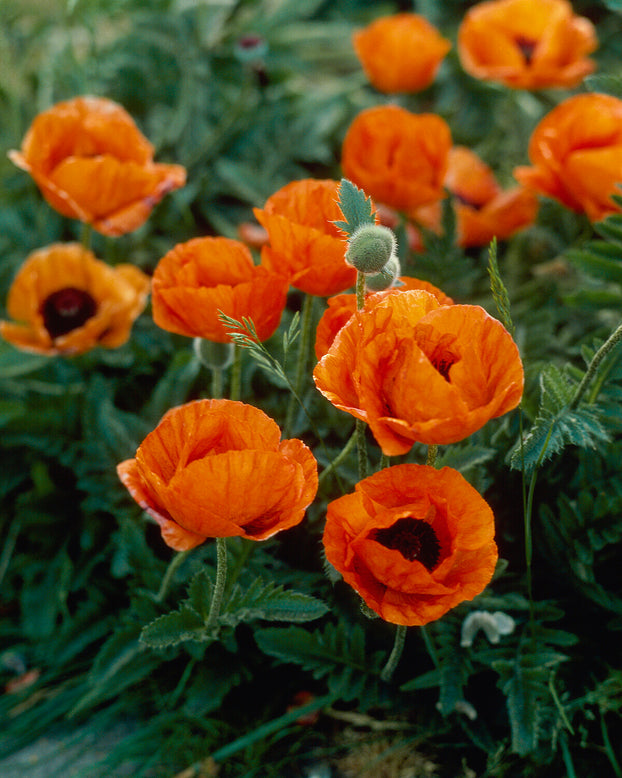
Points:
(498, 289)
(338, 652)
(173, 628)
(356, 207)
(606, 82)
(270, 602)
(555, 425)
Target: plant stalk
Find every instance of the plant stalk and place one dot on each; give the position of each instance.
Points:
(219, 586)
(396, 653)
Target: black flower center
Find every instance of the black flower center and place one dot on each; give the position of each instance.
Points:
(67, 309)
(438, 349)
(413, 538)
(527, 47)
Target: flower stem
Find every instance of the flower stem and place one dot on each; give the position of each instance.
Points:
(360, 290)
(235, 391)
(219, 586)
(598, 357)
(361, 442)
(396, 653)
(175, 562)
(360, 425)
(340, 457)
(431, 457)
(306, 325)
(85, 235)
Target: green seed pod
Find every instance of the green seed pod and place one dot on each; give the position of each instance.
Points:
(386, 278)
(370, 248)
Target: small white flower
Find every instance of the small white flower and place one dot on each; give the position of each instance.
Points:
(494, 625)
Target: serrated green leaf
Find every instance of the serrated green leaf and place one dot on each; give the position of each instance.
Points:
(270, 602)
(173, 628)
(355, 206)
(598, 259)
(337, 652)
(200, 592)
(556, 425)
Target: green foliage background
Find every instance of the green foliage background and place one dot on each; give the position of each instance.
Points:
(81, 570)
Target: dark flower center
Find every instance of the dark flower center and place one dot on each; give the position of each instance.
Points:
(413, 538)
(526, 46)
(67, 309)
(437, 349)
(465, 201)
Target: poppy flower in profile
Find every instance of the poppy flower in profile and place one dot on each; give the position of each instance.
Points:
(341, 307)
(65, 301)
(203, 276)
(92, 163)
(527, 44)
(305, 245)
(397, 157)
(217, 469)
(576, 153)
(413, 541)
(419, 371)
(400, 53)
(483, 209)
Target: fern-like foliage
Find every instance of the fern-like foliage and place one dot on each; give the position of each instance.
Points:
(265, 601)
(336, 653)
(557, 424)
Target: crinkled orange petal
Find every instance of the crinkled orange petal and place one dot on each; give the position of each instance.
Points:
(120, 294)
(397, 157)
(201, 277)
(91, 163)
(401, 591)
(304, 244)
(400, 53)
(174, 536)
(500, 217)
(216, 468)
(342, 307)
(494, 36)
(578, 139)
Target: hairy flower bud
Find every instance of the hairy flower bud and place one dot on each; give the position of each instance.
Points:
(370, 248)
(386, 278)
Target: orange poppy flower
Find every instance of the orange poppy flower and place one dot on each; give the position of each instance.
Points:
(483, 209)
(217, 469)
(304, 244)
(91, 163)
(416, 370)
(527, 44)
(65, 301)
(413, 541)
(198, 278)
(400, 53)
(576, 153)
(397, 157)
(343, 306)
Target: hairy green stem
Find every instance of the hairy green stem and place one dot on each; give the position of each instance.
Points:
(396, 653)
(598, 357)
(175, 562)
(361, 427)
(431, 457)
(306, 326)
(219, 585)
(85, 235)
(235, 391)
(343, 454)
(217, 383)
(360, 290)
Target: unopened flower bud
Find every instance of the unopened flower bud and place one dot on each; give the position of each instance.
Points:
(370, 248)
(215, 356)
(386, 278)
